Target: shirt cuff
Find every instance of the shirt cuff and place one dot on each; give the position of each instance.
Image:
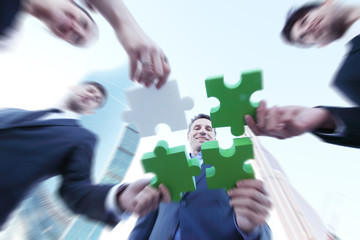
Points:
(339, 131)
(253, 235)
(111, 204)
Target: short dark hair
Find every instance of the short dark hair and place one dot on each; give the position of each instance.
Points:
(100, 87)
(294, 17)
(199, 116)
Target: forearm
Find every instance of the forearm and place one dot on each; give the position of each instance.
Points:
(89, 200)
(115, 12)
(347, 131)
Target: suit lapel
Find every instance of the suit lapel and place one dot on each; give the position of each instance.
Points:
(10, 115)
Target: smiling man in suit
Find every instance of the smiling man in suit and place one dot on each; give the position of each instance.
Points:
(206, 213)
(319, 24)
(35, 145)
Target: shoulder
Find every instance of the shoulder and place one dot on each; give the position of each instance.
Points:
(354, 45)
(9, 110)
(88, 134)
(82, 135)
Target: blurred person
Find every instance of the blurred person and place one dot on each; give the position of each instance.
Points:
(36, 145)
(319, 24)
(206, 213)
(68, 20)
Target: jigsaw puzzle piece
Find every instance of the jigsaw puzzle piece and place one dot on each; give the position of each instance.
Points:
(150, 107)
(228, 164)
(173, 168)
(234, 100)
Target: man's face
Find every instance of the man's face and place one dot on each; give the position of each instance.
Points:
(319, 26)
(200, 132)
(85, 98)
(68, 22)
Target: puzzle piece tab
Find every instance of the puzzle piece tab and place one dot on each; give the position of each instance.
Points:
(228, 165)
(173, 168)
(151, 107)
(234, 100)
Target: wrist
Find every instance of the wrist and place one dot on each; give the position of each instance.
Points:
(326, 120)
(119, 196)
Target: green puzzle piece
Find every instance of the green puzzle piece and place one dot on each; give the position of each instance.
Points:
(234, 100)
(173, 168)
(228, 165)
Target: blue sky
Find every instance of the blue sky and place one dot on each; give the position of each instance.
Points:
(205, 38)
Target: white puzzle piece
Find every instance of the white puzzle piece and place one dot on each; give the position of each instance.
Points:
(151, 106)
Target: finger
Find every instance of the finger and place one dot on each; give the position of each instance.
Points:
(250, 193)
(144, 202)
(157, 61)
(134, 66)
(251, 184)
(166, 68)
(251, 196)
(138, 69)
(165, 194)
(261, 114)
(251, 124)
(271, 119)
(141, 184)
(274, 125)
(251, 216)
(250, 205)
(147, 74)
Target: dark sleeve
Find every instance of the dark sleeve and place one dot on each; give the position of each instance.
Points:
(8, 11)
(265, 232)
(77, 189)
(144, 226)
(347, 79)
(351, 135)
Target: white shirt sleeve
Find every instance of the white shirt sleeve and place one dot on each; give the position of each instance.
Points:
(111, 204)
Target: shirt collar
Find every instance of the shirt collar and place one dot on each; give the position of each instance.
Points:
(63, 114)
(69, 114)
(199, 156)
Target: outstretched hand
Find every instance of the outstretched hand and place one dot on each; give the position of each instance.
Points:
(148, 63)
(140, 198)
(288, 121)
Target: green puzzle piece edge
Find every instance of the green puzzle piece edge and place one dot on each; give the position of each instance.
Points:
(228, 164)
(173, 168)
(234, 100)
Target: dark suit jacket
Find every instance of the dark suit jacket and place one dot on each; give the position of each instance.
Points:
(33, 151)
(348, 82)
(8, 12)
(203, 215)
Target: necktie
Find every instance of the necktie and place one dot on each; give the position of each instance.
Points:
(31, 116)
